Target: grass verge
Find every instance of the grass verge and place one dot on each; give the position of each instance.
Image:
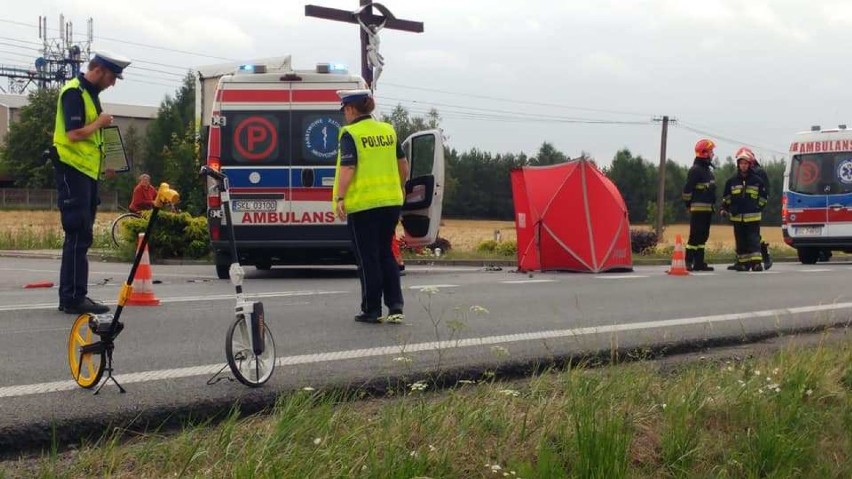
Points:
(787, 414)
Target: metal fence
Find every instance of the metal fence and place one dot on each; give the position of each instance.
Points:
(27, 199)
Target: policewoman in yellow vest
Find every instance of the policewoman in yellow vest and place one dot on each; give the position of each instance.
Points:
(78, 162)
(368, 194)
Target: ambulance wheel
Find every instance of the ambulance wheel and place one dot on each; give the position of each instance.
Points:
(808, 255)
(86, 369)
(249, 369)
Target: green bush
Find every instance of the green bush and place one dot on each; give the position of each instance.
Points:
(487, 246)
(507, 248)
(176, 235)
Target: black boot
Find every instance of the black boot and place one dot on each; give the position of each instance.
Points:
(690, 258)
(700, 265)
(767, 258)
(741, 266)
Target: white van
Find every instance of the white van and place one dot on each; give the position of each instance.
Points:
(273, 131)
(816, 210)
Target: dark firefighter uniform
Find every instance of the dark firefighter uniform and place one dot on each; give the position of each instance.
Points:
(744, 198)
(699, 194)
(764, 246)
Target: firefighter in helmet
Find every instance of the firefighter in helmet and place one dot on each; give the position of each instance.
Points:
(743, 200)
(699, 194)
(761, 173)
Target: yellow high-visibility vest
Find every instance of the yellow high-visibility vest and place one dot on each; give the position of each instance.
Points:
(85, 155)
(376, 181)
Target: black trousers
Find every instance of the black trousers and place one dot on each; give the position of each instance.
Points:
(699, 229)
(372, 232)
(747, 237)
(78, 201)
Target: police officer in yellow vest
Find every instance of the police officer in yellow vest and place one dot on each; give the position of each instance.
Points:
(368, 193)
(77, 159)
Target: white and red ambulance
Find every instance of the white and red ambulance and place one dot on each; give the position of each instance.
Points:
(816, 208)
(273, 131)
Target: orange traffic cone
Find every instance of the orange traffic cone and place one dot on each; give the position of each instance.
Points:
(143, 293)
(678, 259)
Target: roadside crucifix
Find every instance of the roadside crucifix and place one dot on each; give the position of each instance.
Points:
(372, 60)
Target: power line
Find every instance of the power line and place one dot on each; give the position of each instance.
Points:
(522, 102)
(19, 46)
(21, 41)
(134, 67)
(155, 47)
(150, 82)
(700, 131)
(138, 44)
(17, 54)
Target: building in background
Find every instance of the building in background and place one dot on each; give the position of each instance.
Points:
(138, 116)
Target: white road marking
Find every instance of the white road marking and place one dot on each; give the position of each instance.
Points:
(438, 286)
(122, 274)
(527, 281)
(620, 276)
(210, 369)
(818, 270)
(183, 299)
(702, 274)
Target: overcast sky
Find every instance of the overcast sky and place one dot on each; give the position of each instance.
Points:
(508, 76)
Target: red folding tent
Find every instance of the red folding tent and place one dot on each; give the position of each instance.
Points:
(570, 217)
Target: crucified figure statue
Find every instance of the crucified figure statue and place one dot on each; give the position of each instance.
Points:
(374, 59)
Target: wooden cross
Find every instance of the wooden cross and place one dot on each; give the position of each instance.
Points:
(365, 17)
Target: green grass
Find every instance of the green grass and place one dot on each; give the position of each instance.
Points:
(787, 415)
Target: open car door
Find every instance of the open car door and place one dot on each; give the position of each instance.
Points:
(424, 191)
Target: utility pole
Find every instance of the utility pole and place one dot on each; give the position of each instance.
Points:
(661, 186)
(371, 24)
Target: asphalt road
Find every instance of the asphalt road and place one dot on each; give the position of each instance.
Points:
(167, 353)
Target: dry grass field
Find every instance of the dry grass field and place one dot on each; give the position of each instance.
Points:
(15, 221)
(464, 235)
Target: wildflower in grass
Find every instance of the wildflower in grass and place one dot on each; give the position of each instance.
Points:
(757, 373)
(317, 441)
(509, 392)
(432, 448)
(466, 381)
(496, 468)
(478, 310)
(430, 290)
(413, 453)
(500, 351)
(663, 405)
(418, 386)
(308, 388)
(809, 392)
(775, 372)
(402, 359)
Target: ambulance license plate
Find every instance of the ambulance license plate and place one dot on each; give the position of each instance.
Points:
(809, 231)
(255, 205)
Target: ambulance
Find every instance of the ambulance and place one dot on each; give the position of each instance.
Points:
(274, 132)
(816, 210)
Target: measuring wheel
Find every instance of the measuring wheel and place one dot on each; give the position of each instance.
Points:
(86, 367)
(249, 368)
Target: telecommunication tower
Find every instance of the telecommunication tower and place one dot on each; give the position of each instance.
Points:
(61, 59)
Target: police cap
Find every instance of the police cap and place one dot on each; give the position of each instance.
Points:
(112, 62)
(349, 96)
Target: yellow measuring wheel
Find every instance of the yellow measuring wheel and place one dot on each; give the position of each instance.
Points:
(88, 357)
(86, 367)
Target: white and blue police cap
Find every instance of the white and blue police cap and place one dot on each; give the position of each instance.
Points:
(349, 96)
(112, 62)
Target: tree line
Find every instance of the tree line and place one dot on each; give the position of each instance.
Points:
(477, 182)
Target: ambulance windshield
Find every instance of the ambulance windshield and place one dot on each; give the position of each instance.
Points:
(822, 174)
